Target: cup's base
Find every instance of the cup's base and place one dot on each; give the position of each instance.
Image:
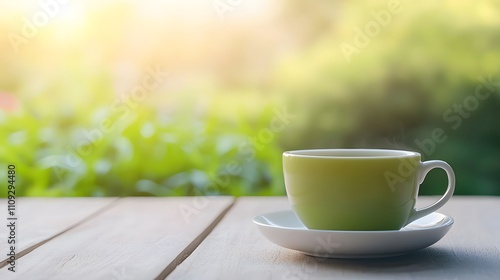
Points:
(362, 219)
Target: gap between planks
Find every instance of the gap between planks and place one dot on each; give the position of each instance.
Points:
(184, 254)
(30, 249)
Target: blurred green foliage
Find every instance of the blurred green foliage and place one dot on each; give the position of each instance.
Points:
(184, 155)
(420, 74)
(394, 93)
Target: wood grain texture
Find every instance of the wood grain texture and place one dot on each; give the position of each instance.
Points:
(137, 238)
(236, 250)
(40, 219)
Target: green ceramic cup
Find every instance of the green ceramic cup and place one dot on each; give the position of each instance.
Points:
(359, 189)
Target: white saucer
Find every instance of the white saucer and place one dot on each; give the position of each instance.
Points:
(284, 229)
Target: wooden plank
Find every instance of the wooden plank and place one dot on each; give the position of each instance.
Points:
(137, 238)
(236, 250)
(40, 219)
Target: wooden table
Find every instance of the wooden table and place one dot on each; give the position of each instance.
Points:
(214, 238)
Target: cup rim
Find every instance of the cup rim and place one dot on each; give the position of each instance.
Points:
(350, 153)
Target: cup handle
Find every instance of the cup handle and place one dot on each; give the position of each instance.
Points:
(425, 167)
